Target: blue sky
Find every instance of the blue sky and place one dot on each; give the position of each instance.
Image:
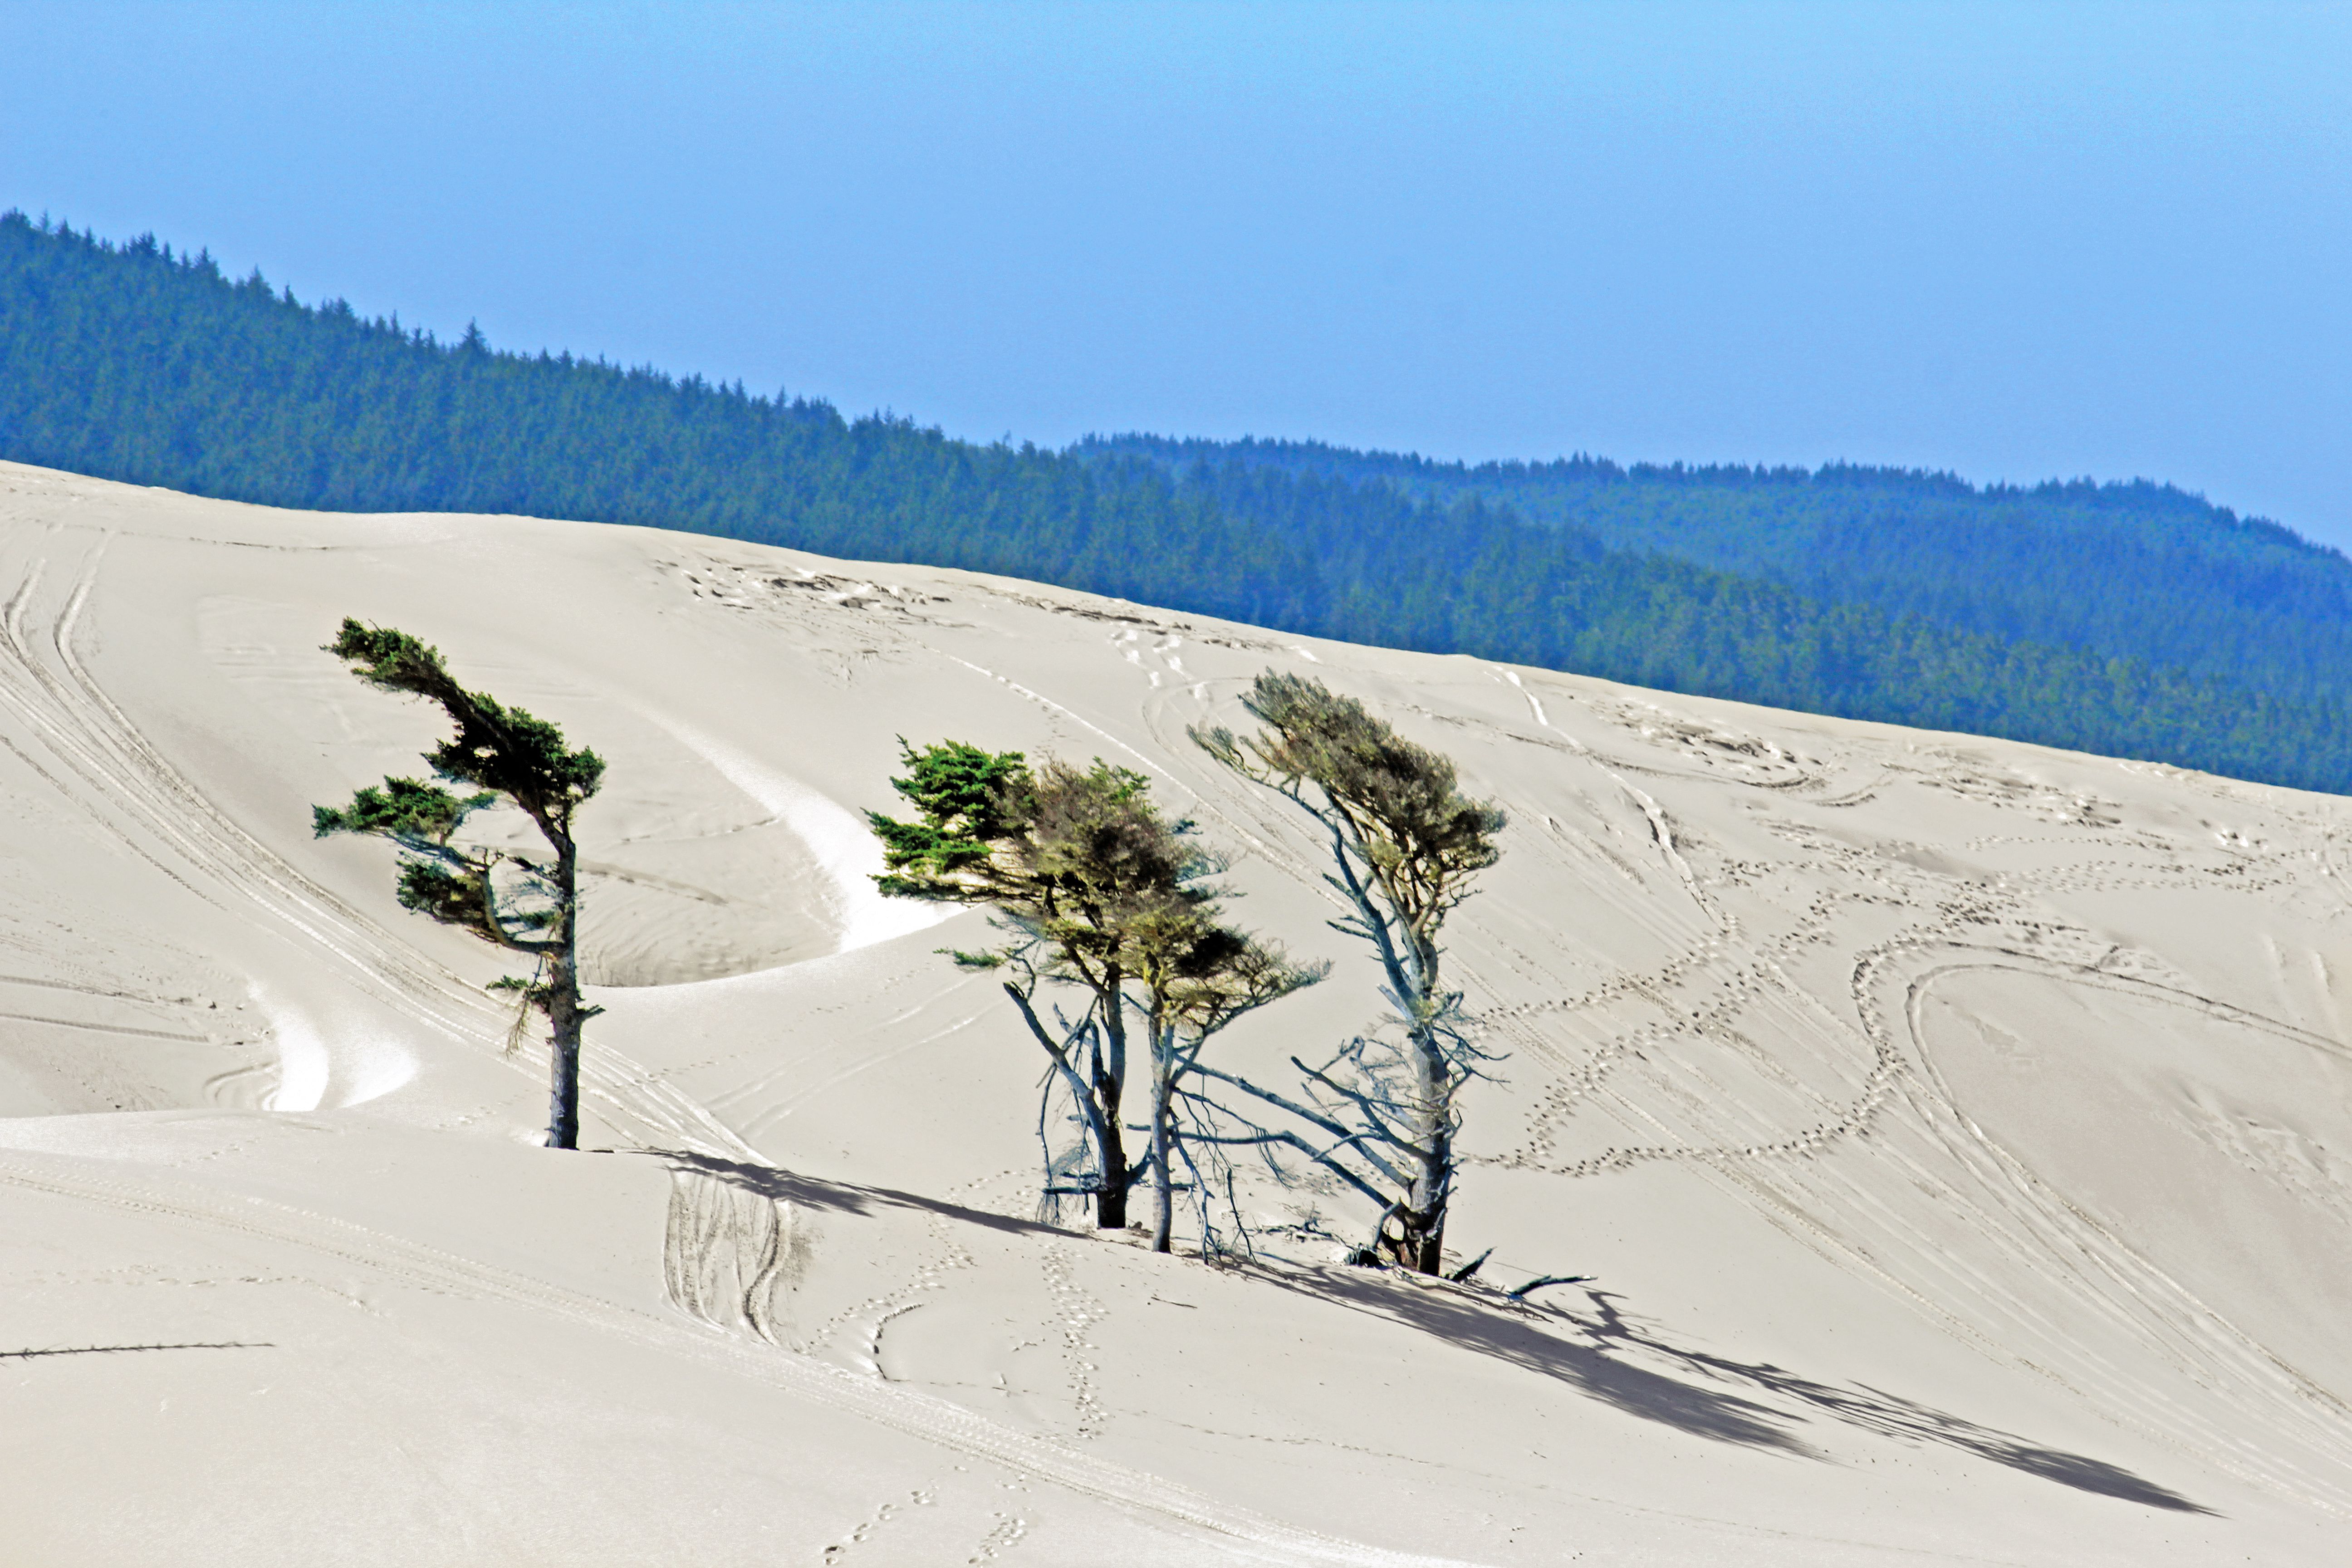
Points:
(2014, 241)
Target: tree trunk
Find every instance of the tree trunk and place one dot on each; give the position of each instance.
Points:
(1429, 1217)
(1419, 1243)
(564, 1008)
(1163, 1172)
(1111, 1198)
(1110, 1086)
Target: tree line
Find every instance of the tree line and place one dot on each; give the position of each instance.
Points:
(1923, 601)
(2133, 570)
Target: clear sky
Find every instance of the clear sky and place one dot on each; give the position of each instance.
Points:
(2014, 241)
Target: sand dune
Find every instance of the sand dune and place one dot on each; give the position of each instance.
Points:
(1960, 1132)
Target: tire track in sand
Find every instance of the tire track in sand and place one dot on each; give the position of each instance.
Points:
(895, 1406)
(46, 684)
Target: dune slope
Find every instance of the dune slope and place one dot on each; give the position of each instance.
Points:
(1959, 1132)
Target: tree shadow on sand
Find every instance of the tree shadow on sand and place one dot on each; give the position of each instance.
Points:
(1755, 1404)
(1599, 1349)
(1518, 1335)
(842, 1197)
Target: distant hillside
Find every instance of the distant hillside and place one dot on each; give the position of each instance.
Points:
(2165, 630)
(2136, 570)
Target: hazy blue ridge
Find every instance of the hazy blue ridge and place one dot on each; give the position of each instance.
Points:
(2134, 570)
(134, 364)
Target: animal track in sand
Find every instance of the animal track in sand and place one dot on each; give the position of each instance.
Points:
(877, 1311)
(1078, 1311)
(1001, 1538)
(1734, 995)
(921, 1496)
(2288, 1159)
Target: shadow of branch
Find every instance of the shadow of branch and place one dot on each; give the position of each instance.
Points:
(1888, 1414)
(1754, 1404)
(1516, 1335)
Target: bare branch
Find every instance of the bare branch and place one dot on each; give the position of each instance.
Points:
(1343, 1136)
(1463, 1273)
(1324, 1159)
(1060, 1053)
(1361, 1101)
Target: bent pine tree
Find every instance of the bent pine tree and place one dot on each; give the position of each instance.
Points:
(1405, 843)
(1095, 891)
(506, 755)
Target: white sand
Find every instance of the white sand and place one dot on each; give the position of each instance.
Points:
(1960, 1132)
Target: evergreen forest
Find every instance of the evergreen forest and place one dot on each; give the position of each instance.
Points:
(2128, 619)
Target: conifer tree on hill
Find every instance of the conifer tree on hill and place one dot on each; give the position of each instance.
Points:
(2128, 620)
(1060, 865)
(1405, 843)
(1095, 889)
(505, 754)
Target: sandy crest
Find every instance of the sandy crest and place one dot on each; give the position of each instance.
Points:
(1960, 1132)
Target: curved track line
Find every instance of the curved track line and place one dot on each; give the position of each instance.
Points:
(2150, 1305)
(97, 742)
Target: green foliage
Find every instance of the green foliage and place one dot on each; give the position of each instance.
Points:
(536, 995)
(2134, 570)
(1085, 867)
(1096, 888)
(450, 885)
(2131, 620)
(965, 798)
(131, 363)
(1067, 850)
(403, 809)
(1405, 843)
(1421, 836)
(1093, 856)
(455, 895)
(502, 750)
(505, 753)
(2128, 619)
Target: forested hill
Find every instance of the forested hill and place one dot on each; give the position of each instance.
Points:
(2130, 571)
(131, 363)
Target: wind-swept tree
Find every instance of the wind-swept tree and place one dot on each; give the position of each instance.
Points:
(505, 754)
(1095, 889)
(1064, 857)
(1405, 843)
